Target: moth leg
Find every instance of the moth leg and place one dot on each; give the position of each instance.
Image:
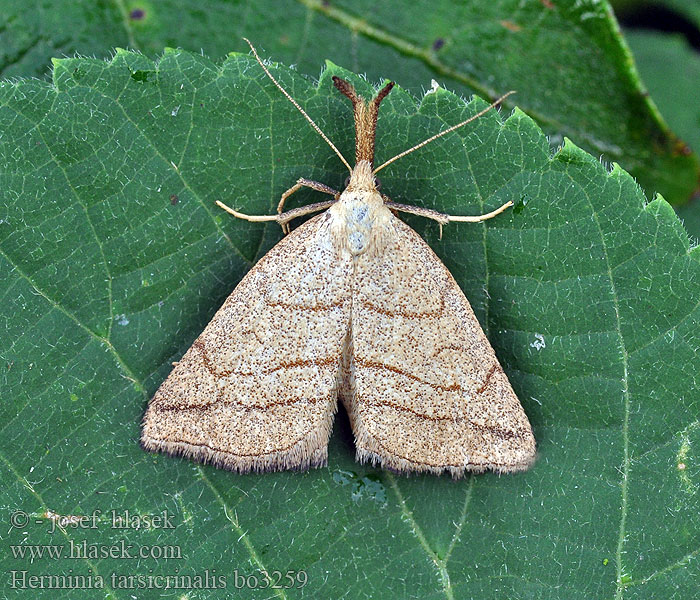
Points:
(442, 218)
(301, 182)
(283, 218)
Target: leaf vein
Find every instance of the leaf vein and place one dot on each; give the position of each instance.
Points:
(243, 535)
(626, 398)
(110, 592)
(439, 563)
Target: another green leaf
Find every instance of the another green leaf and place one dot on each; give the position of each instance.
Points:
(671, 70)
(567, 60)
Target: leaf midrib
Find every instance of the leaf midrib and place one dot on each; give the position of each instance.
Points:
(626, 399)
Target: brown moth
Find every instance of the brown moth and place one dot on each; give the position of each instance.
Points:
(353, 306)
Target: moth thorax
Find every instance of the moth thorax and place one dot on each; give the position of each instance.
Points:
(359, 221)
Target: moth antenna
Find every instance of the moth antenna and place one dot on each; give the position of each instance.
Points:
(299, 108)
(445, 132)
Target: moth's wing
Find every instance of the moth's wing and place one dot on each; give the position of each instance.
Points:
(428, 393)
(257, 389)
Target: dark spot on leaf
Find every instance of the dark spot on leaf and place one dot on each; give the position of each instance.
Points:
(326, 3)
(78, 73)
(141, 76)
(680, 147)
(547, 4)
(438, 43)
(520, 204)
(137, 14)
(174, 199)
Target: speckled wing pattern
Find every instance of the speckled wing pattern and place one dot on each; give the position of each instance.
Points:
(257, 390)
(426, 391)
(370, 316)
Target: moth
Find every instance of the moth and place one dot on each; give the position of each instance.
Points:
(350, 306)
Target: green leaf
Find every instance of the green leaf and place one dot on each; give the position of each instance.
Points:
(114, 258)
(567, 61)
(671, 69)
